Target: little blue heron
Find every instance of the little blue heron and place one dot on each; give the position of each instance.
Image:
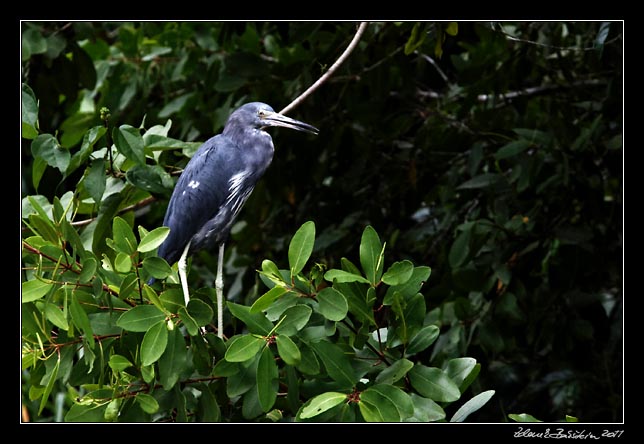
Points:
(215, 185)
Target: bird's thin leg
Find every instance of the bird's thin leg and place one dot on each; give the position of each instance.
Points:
(219, 287)
(182, 274)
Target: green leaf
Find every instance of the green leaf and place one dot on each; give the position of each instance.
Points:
(452, 28)
(295, 319)
(335, 275)
(208, 407)
(153, 239)
(332, 304)
(56, 316)
(458, 369)
(422, 339)
(426, 410)
(301, 247)
(129, 142)
(337, 364)
(371, 255)
(154, 343)
(156, 267)
(460, 249)
(140, 318)
(416, 38)
(481, 181)
(148, 403)
(321, 403)
(287, 350)
(523, 417)
(119, 363)
(393, 404)
(255, 322)
(512, 149)
(46, 147)
(395, 372)
(188, 321)
(244, 347)
(472, 406)
(266, 300)
(86, 413)
(52, 375)
(81, 320)
(29, 113)
(174, 360)
(34, 290)
(122, 263)
(433, 383)
(399, 273)
(200, 312)
(123, 236)
(267, 383)
(151, 178)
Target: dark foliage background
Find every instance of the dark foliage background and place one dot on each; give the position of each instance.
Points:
(491, 152)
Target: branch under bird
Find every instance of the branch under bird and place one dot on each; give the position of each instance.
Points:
(214, 186)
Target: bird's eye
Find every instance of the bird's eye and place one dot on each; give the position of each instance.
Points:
(261, 113)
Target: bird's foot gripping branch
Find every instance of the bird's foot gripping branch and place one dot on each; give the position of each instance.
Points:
(343, 344)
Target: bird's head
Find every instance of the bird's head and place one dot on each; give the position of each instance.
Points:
(260, 115)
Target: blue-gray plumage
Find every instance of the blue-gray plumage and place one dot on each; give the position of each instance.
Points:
(217, 182)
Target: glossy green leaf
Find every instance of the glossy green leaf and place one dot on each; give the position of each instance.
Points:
(119, 363)
(523, 417)
(174, 360)
(425, 337)
(244, 347)
(123, 236)
(81, 320)
(392, 404)
(56, 316)
(140, 318)
(122, 263)
(255, 322)
(156, 267)
(267, 383)
(46, 147)
(148, 403)
(129, 142)
(433, 383)
(371, 255)
(301, 247)
(188, 321)
(29, 110)
(332, 304)
(458, 369)
(335, 362)
(426, 410)
(287, 350)
(266, 300)
(398, 273)
(395, 371)
(294, 319)
(153, 239)
(472, 406)
(154, 343)
(342, 276)
(86, 413)
(50, 377)
(34, 290)
(321, 403)
(200, 312)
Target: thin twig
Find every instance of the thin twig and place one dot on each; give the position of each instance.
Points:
(329, 73)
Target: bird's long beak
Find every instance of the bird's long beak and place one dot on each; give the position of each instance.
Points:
(276, 119)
